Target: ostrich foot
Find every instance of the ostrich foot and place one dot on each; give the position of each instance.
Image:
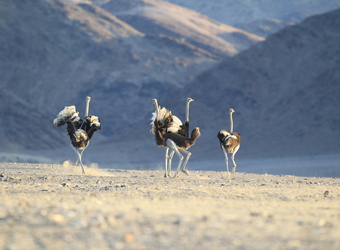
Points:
(174, 176)
(185, 171)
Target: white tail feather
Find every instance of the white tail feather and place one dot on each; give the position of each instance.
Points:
(163, 115)
(95, 121)
(69, 112)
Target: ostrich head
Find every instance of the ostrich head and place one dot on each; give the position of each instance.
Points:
(231, 110)
(190, 100)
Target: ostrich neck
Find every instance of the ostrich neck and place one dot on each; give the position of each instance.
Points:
(156, 107)
(231, 123)
(88, 99)
(187, 110)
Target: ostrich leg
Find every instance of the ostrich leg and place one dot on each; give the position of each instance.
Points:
(80, 152)
(166, 163)
(79, 158)
(172, 145)
(226, 162)
(233, 159)
(169, 164)
(184, 170)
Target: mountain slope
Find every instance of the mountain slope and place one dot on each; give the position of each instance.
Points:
(160, 17)
(285, 92)
(57, 53)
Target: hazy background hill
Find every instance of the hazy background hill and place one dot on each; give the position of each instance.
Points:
(262, 17)
(285, 90)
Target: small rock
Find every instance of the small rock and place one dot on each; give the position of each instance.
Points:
(23, 204)
(57, 218)
(129, 237)
(321, 222)
(326, 193)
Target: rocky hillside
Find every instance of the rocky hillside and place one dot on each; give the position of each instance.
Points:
(57, 53)
(285, 92)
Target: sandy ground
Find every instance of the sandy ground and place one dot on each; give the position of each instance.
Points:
(46, 206)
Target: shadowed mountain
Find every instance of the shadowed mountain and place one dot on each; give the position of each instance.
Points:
(285, 92)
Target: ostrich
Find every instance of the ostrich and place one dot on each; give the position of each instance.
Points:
(181, 129)
(167, 126)
(80, 131)
(230, 142)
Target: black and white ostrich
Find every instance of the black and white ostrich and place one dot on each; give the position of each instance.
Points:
(171, 134)
(79, 130)
(229, 142)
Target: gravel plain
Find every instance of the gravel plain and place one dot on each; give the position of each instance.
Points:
(52, 206)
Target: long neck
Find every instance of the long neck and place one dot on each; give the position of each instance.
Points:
(187, 110)
(231, 123)
(156, 107)
(88, 99)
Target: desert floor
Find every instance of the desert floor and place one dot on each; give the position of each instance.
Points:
(51, 206)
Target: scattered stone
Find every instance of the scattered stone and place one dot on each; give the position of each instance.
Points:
(321, 223)
(23, 204)
(326, 193)
(57, 218)
(129, 237)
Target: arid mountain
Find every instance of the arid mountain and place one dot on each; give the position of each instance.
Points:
(285, 91)
(160, 17)
(54, 54)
